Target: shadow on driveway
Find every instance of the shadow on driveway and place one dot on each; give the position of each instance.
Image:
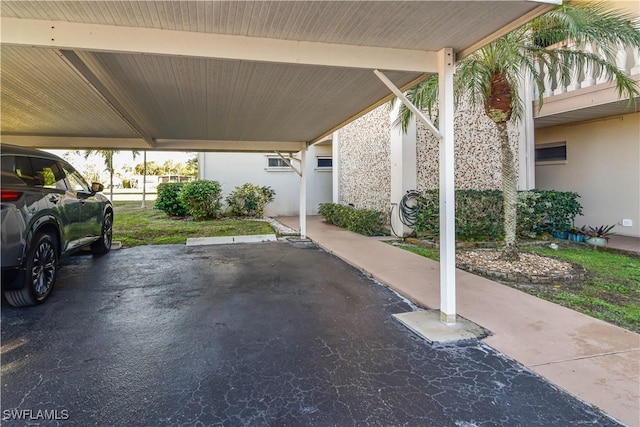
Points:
(250, 334)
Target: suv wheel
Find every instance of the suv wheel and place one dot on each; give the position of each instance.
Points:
(103, 245)
(40, 273)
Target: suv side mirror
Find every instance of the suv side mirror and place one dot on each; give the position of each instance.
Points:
(96, 187)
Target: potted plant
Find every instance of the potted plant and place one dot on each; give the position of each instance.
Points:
(577, 234)
(598, 236)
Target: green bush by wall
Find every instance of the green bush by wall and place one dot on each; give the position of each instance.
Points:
(479, 214)
(363, 221)
(250, 200)
(202, 198)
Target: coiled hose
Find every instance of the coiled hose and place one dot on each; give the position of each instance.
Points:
(408, 210)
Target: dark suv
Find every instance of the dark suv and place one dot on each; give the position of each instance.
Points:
(48, 210)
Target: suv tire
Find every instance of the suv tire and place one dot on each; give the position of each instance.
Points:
(40, 272)
(103, 245)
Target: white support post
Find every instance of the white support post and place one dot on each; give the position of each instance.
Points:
(144, 180)
(335, 169)
(526, 141)
(303, 193)
(404, 171)
(446, 63)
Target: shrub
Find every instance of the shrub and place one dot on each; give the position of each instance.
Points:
(363, 221)
(479, 214)
(168, 199)
(201, 198)
(250, 200)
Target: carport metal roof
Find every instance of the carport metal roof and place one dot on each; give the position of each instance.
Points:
(221, 75)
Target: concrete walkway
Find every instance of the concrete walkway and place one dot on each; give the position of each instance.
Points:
(591, 359)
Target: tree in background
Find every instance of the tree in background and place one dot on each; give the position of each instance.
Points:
(169, 167)
(490, 77)
(107, 155)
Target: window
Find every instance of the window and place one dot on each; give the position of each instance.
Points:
(551, 153)
(47, 173)
(324, 163)
(277, 162)
(76, 182)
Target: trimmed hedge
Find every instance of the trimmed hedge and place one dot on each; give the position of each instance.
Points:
(479, 213)
(363, 221)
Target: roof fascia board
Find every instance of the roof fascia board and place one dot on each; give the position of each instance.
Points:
(81, 142)
(230, 146)
(76, 142)
(116, 39)
(509, 27)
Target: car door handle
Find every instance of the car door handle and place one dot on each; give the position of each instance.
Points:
(54, 198)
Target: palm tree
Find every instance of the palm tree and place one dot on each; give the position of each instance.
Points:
(490, 77)
(107, 155)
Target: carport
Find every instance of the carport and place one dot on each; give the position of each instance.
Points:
(255, 76)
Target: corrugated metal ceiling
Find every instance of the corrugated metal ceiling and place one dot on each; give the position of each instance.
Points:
(59, 93)
(421, 25)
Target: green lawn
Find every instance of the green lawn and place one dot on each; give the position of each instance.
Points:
(611, 291)
(134, 226)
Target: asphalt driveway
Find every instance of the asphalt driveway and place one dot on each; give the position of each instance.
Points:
(275, 334)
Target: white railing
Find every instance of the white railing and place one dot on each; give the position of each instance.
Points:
(627, 60)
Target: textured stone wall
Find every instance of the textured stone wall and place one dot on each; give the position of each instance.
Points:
(365, 166)
(477, 152)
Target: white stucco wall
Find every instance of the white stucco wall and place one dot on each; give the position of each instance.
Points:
(234, 169)
(603, 167)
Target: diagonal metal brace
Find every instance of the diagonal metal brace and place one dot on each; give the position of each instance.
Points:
(388, 83)
(288, 162)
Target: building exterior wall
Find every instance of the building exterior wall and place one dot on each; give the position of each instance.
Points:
(602, 166)
(477, 152)
(234, 169)
(365, 165)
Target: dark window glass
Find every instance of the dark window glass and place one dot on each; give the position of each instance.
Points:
(47, 173)
(18, 167)
(325, 162)
(551, 153)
